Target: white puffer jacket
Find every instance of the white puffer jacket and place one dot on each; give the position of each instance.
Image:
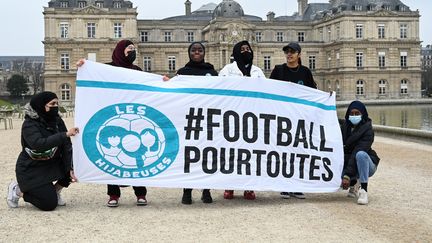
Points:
(232, 70)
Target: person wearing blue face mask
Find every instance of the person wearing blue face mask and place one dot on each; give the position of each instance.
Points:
(360, 160)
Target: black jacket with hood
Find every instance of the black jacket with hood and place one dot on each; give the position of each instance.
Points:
(39, 137)
(357, 138)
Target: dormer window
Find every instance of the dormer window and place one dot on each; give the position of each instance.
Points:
(117, 4)
(64, 4)
(386, 7)
(372, 7)
(100, 4)
(402, 8)
(82, 4)
(358, 7)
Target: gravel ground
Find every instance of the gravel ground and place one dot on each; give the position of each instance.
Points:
(399, 210)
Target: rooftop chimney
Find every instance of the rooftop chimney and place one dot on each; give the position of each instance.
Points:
(270, 16)
(188, 6)
(302, 5)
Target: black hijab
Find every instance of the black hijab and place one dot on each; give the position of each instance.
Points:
(38, 103)
(118, 57)
(244, 64)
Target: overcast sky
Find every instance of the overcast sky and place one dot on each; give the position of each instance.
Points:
(23, 26)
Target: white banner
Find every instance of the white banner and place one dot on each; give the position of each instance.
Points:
(204, 132)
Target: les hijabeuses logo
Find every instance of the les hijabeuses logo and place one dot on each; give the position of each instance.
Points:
(130, 140)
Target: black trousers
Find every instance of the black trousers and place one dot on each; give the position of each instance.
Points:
(114, 190)
(45, 197)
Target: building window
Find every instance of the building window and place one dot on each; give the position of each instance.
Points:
(65, 92)
(82, 4)
(358, 7)
(117, 4)
(403, 59)
(64, 61)
(267, 63)
(100, 4)
(312, 61)
(91, 56)
(64, 30)
(404, 86)
(258, 36)
(359, 60)
(359, 31)
(321, 34)
(64, 4)
(360, 87)
(381, 31)
(172, 63)
(144, 36)
(329, 88)
(301, 36)
(190, 36)
(381, 59)
(382, 87)
(279, 37)
(117, 30)
(386, 7)
(338, 32)
(167, 36)
(403, 31)
(147, 64)
(91, 30)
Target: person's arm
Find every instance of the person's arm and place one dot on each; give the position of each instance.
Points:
(36, 141)
(312, 83)
(224, 71)
(274, 73)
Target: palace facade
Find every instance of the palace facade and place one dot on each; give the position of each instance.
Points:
(360, 49)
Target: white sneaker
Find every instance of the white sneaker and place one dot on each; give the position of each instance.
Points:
(362, 197)
(60, 201)
(12, 197)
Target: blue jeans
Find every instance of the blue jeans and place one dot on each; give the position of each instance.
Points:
(365, 167)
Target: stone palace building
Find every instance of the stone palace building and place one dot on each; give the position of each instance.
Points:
(361, 49)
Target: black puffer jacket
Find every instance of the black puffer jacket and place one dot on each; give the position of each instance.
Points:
(357, 138)
(35, 135)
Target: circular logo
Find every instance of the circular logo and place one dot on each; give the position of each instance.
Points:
(130, 141)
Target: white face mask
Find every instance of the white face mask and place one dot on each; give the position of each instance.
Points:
(355, 120)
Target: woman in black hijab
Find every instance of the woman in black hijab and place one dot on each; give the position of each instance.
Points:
(242, 65)
(46, 155)
(198, 67)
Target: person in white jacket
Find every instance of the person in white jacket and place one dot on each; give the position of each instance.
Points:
(242, 65)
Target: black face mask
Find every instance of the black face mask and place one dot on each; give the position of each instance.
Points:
(246, 57)
(131, 56)
(53, 112)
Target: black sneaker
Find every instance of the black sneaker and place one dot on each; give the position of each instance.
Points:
(299, 195)
(206, 196)
(187, 196)
(285, 195)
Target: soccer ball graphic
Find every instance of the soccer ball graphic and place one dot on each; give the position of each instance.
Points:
(130, 141)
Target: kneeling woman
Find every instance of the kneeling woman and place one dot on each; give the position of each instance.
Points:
(46, 156)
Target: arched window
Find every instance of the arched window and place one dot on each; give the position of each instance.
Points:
(360, 87)
(329, 88)
(337, 87)
(404, 86)
(65, 92)
(382, 84)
